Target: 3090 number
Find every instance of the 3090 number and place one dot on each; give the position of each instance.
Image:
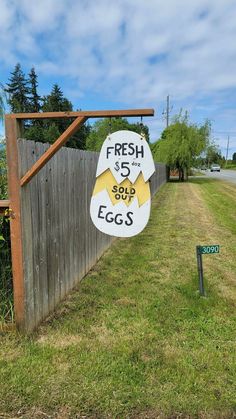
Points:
(210, 249)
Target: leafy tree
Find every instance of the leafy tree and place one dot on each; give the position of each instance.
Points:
(213, 154)
(103, 127)
(18, 91)
(234, 157)
(181, 143)
(3, 174)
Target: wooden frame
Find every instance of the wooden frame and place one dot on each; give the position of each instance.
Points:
(87, 114)
(15, 183)
(13, 129)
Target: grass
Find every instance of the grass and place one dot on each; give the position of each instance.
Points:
(230, 166)
(136, 340)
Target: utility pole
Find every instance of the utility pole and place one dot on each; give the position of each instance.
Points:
(167, 110)
(166, 113)
(227, 152)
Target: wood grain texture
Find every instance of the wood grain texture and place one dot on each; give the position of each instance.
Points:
(87, 114)
(52, 150)
(13, 130)
(60, 242)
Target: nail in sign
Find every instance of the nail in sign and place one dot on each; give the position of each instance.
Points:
(121, 200)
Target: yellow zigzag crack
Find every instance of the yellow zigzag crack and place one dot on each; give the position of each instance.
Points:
(126, 191)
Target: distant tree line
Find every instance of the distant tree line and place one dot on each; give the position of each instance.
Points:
(22, 96)
(184, 145)
(181, 144)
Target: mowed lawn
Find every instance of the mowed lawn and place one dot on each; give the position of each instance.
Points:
(136, 340)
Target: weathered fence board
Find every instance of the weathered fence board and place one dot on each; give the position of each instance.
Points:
(60, 242)
(158, 178)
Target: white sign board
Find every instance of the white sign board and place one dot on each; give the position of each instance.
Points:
(121, 200)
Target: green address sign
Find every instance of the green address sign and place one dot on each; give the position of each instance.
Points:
(209, 250)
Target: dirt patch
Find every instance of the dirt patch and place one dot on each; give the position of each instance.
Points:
(125, 301)
(59, 340)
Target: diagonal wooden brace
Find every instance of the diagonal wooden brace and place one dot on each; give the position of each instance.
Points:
(52, 150)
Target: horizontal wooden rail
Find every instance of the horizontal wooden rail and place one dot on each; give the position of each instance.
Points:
(87, 114)
(81, 117)
(4, 205)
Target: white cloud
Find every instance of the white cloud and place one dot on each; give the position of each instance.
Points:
(103, 42)
(131, 51)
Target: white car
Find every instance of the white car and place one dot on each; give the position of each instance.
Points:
(215, 168)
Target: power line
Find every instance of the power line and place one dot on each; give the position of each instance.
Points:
(223, 132)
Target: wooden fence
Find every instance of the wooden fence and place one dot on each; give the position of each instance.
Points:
(159, 178)
(60, 242)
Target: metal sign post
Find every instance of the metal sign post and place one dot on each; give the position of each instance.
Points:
(204, 250)
(200, 270)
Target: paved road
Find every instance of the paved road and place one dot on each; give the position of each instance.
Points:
(229, 175)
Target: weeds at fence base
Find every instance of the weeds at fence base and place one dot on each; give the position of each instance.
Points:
(6, 305)
(7, 327)
(6, 308)
(6, 288)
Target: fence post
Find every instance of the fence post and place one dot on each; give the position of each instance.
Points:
(13, 129)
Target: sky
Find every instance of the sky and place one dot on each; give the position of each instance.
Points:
(121, 54)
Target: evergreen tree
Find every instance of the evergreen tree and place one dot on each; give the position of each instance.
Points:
(78, 140)
(18, 90)
(56, 102)
(24, 97)
(51, 133)
(34, 98)
(34, 129)
(35, 132)
(2, 101)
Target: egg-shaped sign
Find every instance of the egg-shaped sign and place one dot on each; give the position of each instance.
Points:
(121, 200)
